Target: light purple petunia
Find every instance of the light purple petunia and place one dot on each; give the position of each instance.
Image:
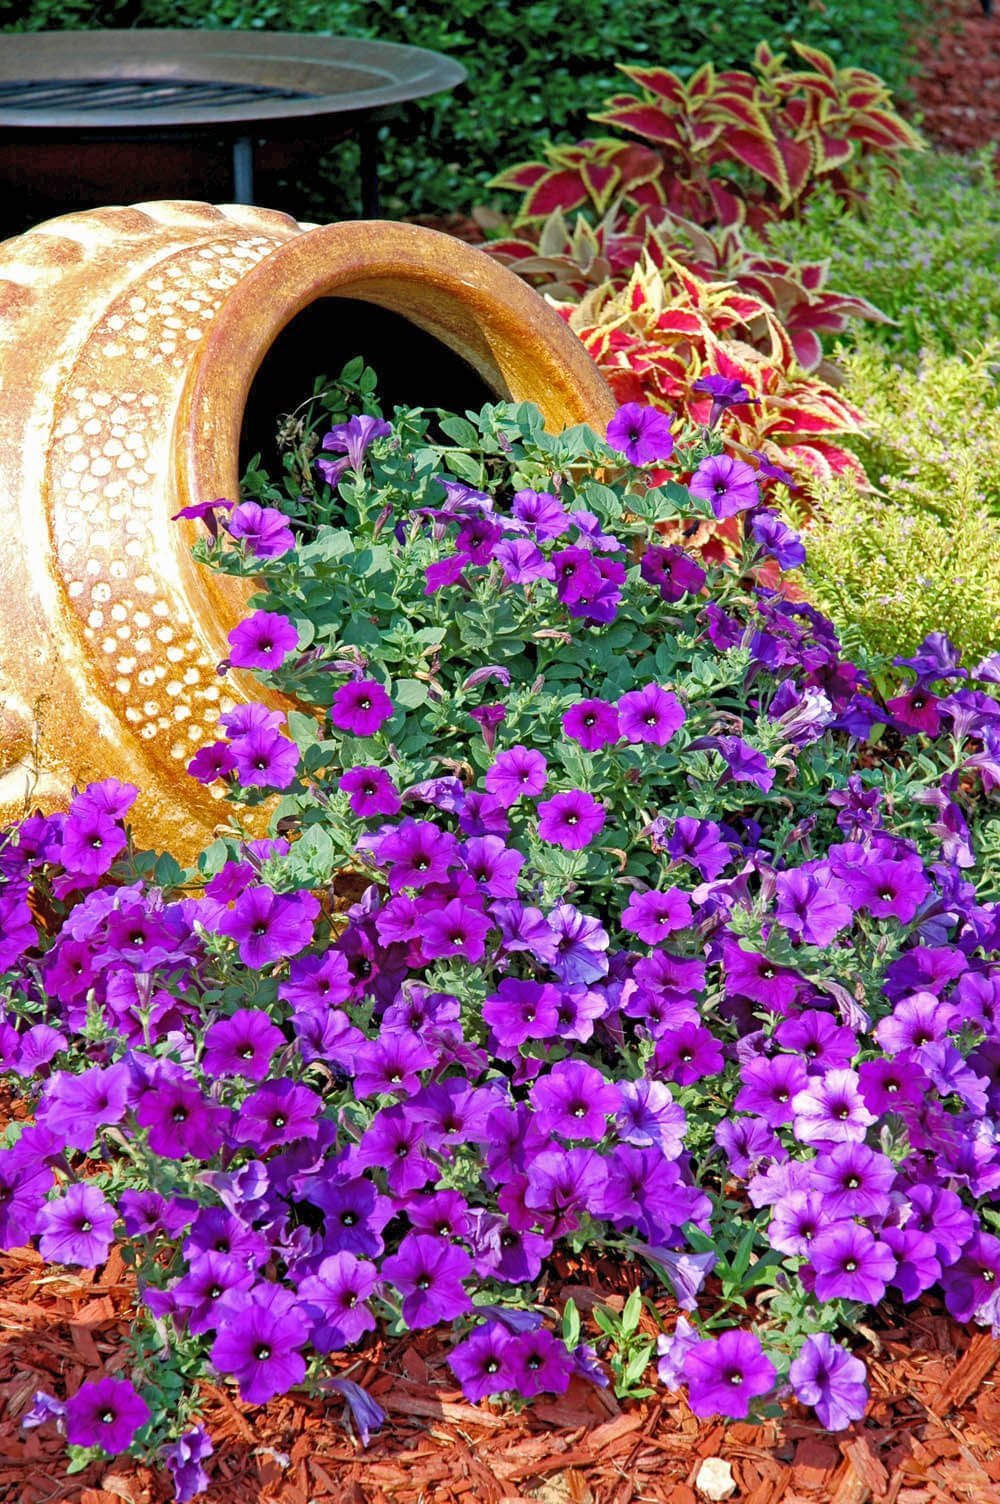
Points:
(570, 820)
(642, 434)
(105, 1413)
(360, 707)
(831, 1380)
(650, 714)
(728, 485)
(260, 1336)
(725, 1374)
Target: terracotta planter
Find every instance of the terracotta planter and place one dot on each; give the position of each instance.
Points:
(131, 340)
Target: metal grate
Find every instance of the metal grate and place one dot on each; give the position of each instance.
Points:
(134, 94)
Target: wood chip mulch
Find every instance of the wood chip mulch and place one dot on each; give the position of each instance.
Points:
(957, 85)
(932, 1435)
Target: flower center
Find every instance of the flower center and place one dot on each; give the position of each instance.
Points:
(262, 1352)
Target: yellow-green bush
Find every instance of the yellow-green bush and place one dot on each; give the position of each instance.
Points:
(921, 551)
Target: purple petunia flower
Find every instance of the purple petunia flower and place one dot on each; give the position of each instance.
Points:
(241, 1045)
(592, 723)
(700, 843)
(650, 714)
(198, 1292)
(854, 1180)
(263, 640)
(428, 1273)
(264, 530)
(850, 1264)
(725, 1374)
(811, 905)
(260, 1334)
(184, 1458)
(454, 929)
(831, 1380)
(351, 439)
(180, 1120)
(212, 762)
(673, 572)
(769, 1086)
(269, 926)
(105, 1413)
(263, 759)
(366, 1413)
(90, 842)
(279, 1112)
(516, 772)
(77, 1227)
(831, 1110)
(728, 485)
(521, 1010)
(778, 540)
(570, 820)
(417, 854)
(653, 916)
(725, 392)
(371, 791)
(75, 1107)
(539, 1363)
(204, 511)
(641, 433)
(539, 513)
(480, 1363)
(581, 943)
(574, 1100)
(360, 707)
(687, 1054)
(334, 1297)
(672, 1351)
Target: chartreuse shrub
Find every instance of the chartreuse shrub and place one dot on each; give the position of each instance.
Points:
(918, 552)
(649, 954)
(535, 68)
(924, 249)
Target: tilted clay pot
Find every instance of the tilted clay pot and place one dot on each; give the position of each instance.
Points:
(131, 339)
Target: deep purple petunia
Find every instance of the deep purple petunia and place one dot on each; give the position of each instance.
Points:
(592, 723)
(184, 1458)
(521, 1010)
(180, 1120)
(687, 1054)
(823, 1044)
(831, 1380)
(269, 926)
(335, 1296)
(850, 1264)
(75, 1107)
(264, 530)
(263, 759)
(570, 820)
(769, 1084)
(455, 929)
(360, 707)
(565, 1183)
(574, 1100)
(241, 1045)
(539, 513)
(371, 792)
(516, 772)
(428, 1273)
(263, 640)
(480, 1364)
(778, 540)
(725, 1374)
(539, 1363)
(77, 1227)
(854, 1180)
(353, 440)
(917, 1264)
(581, 945)
(90, 842)
(417, 854)
(650, 714)
(279, 1112)
(212, 762)
(886, 887)
(725, 392)
(700, 843)
(105, 1413)
(728, 485)
(260, 1334)
(673, 572)
(972, 1280)
(940, 1212)
(391, 1064)
(199, 1291)
(641, 433)
(811, 905)
(798, 1217)
(653, 916)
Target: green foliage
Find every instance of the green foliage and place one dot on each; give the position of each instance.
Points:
(924, 250)
(535, 68)
(920, 554)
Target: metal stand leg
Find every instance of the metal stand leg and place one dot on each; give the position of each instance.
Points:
(368, 141)
(243, 170)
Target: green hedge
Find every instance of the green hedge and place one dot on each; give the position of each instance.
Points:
(535, 69)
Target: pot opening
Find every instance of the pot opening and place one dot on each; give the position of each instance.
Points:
(413, 369)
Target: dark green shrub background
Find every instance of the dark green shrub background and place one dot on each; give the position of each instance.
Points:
(535, 66)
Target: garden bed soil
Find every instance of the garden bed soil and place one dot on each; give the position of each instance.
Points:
(932, 1435)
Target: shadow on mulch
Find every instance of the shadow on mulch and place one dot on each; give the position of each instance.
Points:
(932, 1435)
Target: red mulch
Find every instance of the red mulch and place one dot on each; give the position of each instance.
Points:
(957, 86)
(932, 1435)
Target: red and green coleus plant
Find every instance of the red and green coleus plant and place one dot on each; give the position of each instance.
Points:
(724, 146)
(730, 150)
(667, 330)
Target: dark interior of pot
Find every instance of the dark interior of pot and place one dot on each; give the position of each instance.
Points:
(413, 369)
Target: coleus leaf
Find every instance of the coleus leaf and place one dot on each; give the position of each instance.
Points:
(816, 59)
(521, 177)
(659, 81)
(832, 153)
(808, 348)
(885, 129)
(799, 158)
(701, 85)
(561, 188)
(647, 120)
(761, 156)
